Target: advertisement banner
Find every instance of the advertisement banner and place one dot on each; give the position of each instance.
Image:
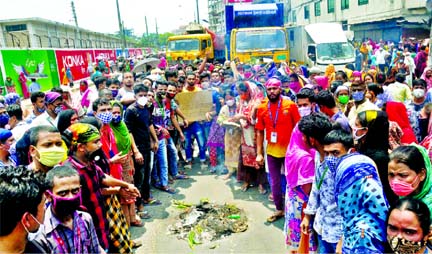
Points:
(24, 65)
(73, 64)
(104, 54)
(134, 52)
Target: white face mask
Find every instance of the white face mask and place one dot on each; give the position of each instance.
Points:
(355, 136)
(304, 111)
(230, 103)
(418, 93)
(142, 101)
(40, 231)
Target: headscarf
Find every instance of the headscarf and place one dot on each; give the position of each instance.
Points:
(330, 73)
(377, 136)
(4, 134)
(299, 161)
(396, 111)
(11, 98)
(121, 132)
(256, 96)
(426, 192)
(322, 81)
(428, 80)
(81, 133)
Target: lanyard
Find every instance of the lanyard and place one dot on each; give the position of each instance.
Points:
(322, 177)
(277, 113)
(78, 224)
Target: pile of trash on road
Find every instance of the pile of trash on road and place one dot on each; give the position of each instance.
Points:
(207, 222)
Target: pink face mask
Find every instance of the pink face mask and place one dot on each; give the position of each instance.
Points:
(402, 188)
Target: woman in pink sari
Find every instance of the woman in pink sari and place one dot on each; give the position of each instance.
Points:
(249, 171)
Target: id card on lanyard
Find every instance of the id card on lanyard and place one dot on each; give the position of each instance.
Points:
(273, 134)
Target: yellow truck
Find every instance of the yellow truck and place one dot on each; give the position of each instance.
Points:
(196, 43)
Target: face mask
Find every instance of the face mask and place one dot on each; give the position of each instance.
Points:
(244, 97)
(402, 246)
(205, 85)
(161, 94)
(116, 119)
(51, 156)
(285, 91)
(40, 110)
(4, 119)
(65, 206)
(305, 111)
(225, 86)
(31, 236)
(358, 96)
(114, 93)
(343, 99)
(83, 89)
(402, 188)
(418, 93)
(142, 101)
(295, 86)
(357, 138)
(170, 95)
(230, 103)
(57, 110)
(105, 117)
(248, 75)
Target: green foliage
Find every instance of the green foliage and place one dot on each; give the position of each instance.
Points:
(155, 40)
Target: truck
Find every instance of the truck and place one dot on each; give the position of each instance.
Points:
(197, 43)
(256, 31)
(320, 44)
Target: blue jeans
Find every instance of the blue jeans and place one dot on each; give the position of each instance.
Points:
(324, 246)
(160, 169)
(194, 129)
(172, 157)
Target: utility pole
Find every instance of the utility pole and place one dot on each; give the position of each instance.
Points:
(77, 33)
(197, 12)
(147, 40)
(145, 17)
(157, 35)
(122, 34)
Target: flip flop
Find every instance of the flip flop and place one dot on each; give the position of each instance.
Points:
(144, 215)
(262, 191)
(168, 189)
(274, 217)
(136, 244)
(181, 177)
(137, 224)
(152, 202)
(244, 187)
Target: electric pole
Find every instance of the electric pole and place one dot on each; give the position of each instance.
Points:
(146, 25)
(197, 12)
(157, 35)
(122, 34)
(77, 33)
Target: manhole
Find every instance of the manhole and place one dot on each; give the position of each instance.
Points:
(207, 222)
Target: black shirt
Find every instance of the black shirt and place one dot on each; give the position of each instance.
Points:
(138, 120)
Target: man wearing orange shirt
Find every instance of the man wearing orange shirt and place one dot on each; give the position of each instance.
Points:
(277, 117)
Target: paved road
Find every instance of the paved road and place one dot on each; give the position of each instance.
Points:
(260, 237)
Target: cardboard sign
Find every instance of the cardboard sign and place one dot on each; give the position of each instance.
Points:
(195, 105)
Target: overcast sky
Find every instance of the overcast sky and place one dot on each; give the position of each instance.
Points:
(101, 15)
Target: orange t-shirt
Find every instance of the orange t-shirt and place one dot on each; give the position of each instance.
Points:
(288, 117)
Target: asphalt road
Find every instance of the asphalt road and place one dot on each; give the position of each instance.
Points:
(260, 237)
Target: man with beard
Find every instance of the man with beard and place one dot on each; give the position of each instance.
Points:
(67, 230)
(277, 117)
(38, 101)
(53, 102)
(126, 94)
(85, 140)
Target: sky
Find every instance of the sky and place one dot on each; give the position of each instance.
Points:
(101, 15)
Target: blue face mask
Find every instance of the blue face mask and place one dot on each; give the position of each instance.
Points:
(116, 119)
(358, 96)
(4, 119)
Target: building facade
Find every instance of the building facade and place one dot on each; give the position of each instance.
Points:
(376, 19)
(42, 33)
(216, 10)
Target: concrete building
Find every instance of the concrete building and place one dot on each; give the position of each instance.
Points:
(216, 10)
(42, 33)
(375, 19)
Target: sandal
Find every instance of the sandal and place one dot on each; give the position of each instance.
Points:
(168, 189)
(245, 187)
(151, 202)
(262, 190)
(181, 177)
(274, 217)
(136, 244)
(137, 223)
(144, 215)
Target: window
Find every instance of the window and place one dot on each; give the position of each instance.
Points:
(12, 28)
(344, 4)
(291, 35)
(362, 2)
(306, 12)
(330, 6)
(294, 16)
(317, 7)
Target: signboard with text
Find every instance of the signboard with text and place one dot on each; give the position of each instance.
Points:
(76, 60)
(195, 105)
(104, 54)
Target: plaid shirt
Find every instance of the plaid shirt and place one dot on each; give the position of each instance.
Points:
(82, 221)
(92, 199)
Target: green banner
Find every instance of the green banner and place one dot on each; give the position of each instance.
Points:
(23, 65)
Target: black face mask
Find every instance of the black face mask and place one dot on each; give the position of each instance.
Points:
(65, 206)
(161, 94)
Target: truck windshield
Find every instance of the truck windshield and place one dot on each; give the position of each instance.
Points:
(334, 51)
(261, 40)
(187, 44)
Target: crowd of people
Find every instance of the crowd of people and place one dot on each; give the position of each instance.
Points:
(346, 153)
